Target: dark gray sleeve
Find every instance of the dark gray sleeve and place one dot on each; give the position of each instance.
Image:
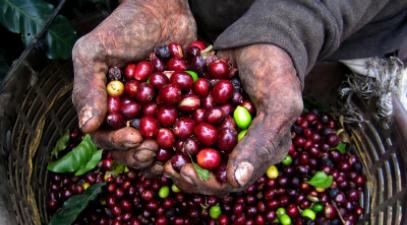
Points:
(308, 30)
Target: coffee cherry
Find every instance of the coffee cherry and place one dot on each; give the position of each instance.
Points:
(113, 104)
(219, 69)
(129, 71)
(184, 127)
(197, 43)
(177, 64)
(206, 133)
(190, 147)
(162, 52)
(214, 115)
(222, 91)
(227, 140)
(142, 70)
(148, 127)
(170, 94)
(272, 172)
(189, 103)
(242, 117)
(215, 212)
(131, 87)
(199, 115)
(158, 80)
(183, 80)
(165, 138)
(131, 109)
(158, 64)
(175, 50)
(166, 115)
(201, 87)
(163, 155)
(178, 161)
(115, 88)
(164, 192)
(145, 93)
(150, 109)
(208, 158)
(115, 120)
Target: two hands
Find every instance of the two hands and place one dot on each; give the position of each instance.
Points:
(130, 33)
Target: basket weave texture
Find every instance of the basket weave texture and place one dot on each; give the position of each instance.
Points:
(46, 112)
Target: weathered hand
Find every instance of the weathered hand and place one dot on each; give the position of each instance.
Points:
(269, 78)
(128, 34)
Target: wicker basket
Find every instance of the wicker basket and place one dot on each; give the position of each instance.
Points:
(40, 110)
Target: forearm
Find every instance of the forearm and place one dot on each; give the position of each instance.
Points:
(307, 30)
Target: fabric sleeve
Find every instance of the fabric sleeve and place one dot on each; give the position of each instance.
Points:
(308, 30)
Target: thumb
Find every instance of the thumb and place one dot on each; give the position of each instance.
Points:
(261, 147)
(89, 92)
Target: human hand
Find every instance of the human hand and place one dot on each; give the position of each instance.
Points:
(128, 34)
(269, 78)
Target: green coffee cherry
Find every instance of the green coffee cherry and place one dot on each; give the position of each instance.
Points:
(287, 160)
(215, 211)
(175, 189)
(164, 192)
(241, 135)
(242, 117)
(193, 74)
(308, 213)
(317, 207)
(280, 211)
(272, 172)
(285, 220)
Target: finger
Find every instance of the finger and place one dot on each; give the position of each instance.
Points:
(155, 170)
(140, 157)
(264, 144)
(184, 184)
(122, 139)
(210, 186)
(89, 95)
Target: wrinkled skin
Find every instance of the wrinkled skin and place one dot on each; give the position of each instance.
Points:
(269, 78)
(130, 33)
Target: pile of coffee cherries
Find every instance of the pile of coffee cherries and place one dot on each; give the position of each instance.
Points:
(282, 196)
(190, 102)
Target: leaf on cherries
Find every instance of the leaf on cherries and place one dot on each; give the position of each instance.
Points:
(321, 180)
(81, 159)
(341, 147)
(75, 205)
(203, 174)
(60, 145)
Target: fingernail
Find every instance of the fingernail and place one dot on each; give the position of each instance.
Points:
(85, 115)
(243, 173)
(187, 179)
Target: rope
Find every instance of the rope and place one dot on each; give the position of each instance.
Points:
(375, 81)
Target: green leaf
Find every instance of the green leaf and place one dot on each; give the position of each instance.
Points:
(202, 173)
(118, 168)
(60, 39)
(60, 145)
(75, 205)
(74, 160)
(341, 147)
(321, 180)
(25, 17)
(28, 18)
(91, 164)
